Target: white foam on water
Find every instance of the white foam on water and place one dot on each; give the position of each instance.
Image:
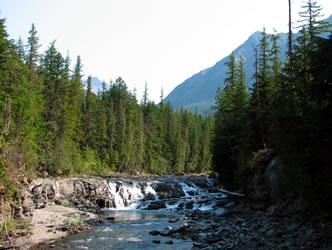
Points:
(130, 239)
(141, 224)
(186, 189)
(124, 195)
(172, 206)
(205, 207)
(149, 189)
(79, 241)
(134, 239)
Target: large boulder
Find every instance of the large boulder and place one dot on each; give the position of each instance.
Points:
(149, 197)
(258, 195)
(155, 205)
(272, 175)
(169, 190)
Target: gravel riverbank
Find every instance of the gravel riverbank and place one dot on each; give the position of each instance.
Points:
(48, 224)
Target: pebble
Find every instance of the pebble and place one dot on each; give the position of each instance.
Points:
(169, 242)
(154, 232)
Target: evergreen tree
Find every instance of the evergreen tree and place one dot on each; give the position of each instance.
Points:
(311, 22)
(259, 98)
(21, 50)
(6, 82)
(290, 32)
(54, 89)
(242, 72)
(88, 123)
(32, 48)
(18, 117)
(145, 95)
(230, 144)
(232, 74)
(75, 103)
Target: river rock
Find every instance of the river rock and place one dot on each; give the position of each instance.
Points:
(166, 232)
(219, 211)
(149, 197)
(169, 190)
(154, 232)
(155, 205)
(190, 205)
(173, 220)
(169, 242)
(111, 218)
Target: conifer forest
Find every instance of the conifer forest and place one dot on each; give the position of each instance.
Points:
(52, 121)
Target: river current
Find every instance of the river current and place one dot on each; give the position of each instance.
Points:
(141, 205)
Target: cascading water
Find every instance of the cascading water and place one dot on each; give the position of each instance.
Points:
(175, 193)
(129, 195)
(128, 217)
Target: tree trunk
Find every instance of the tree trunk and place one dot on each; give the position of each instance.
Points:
(290, 49)
(7, 117)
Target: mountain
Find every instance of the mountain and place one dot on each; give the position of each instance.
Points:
(96, 84)
(199, 90)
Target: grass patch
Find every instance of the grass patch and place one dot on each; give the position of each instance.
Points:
(74, 223)
(12, 225)
(66, 203)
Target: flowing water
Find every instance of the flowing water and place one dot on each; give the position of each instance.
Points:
(140, 205)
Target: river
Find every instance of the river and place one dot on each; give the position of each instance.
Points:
(141, 205)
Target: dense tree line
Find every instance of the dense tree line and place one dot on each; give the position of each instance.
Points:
(52, 120)
(289, 110)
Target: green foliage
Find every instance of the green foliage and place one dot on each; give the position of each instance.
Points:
(92, 165)
(8, 187)
(231, 124)
(289, 110)
(8, 225)
(50, 122)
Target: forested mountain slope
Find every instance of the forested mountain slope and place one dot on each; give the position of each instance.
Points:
(200, 90)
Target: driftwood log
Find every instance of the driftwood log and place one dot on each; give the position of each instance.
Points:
(231, 193)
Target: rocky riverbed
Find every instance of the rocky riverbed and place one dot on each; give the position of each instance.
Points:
(235, 226)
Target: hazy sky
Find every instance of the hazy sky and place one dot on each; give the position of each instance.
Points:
(161, 42)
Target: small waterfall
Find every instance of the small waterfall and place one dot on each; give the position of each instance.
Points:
(163, 193)
(124, 196)
(128, 195)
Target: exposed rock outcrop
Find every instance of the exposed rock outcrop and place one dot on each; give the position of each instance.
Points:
(265, 177)
(88, 194)
(169, 190)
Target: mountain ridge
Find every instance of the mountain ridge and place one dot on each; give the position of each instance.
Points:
(198, 91)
